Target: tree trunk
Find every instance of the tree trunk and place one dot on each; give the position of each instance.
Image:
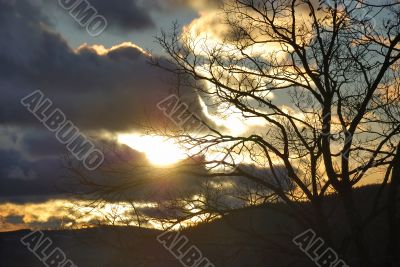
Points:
(393, 242)
(354, 219)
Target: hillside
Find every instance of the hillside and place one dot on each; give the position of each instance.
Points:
(260, 236)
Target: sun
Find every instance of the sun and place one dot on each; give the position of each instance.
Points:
(159, 150)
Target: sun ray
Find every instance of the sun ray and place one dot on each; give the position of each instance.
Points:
(159, 150)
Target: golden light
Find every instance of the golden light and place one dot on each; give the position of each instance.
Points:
(231, 118)
(159, 150)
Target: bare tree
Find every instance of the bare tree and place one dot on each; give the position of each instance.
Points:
(321, 80)
(338, 61)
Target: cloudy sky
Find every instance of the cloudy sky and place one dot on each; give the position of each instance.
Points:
(104, 85)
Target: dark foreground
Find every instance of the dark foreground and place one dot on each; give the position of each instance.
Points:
(254, 237)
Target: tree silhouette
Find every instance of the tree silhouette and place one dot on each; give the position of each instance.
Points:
(338, 63)
(321, 81)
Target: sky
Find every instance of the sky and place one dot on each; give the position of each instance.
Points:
(103, 84)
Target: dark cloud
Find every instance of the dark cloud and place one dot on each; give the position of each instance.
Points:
(137, 15)
(23, 177)
(35, 166)
(140, 181)
(14, 219)
(168, 5)
(41, 144)
(125, 14)
(97, 89)
(121, 15)
(113, 89)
